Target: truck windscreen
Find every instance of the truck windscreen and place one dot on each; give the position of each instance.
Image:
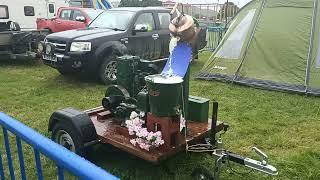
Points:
(113, 20)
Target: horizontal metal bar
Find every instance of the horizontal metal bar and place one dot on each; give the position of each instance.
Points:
(57, 44)
(236, 158)
(60, 155)
(59, 49)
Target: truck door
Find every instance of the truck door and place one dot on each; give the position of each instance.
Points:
(142, 43)
(74, 24)
(162, 43)
(62, 22)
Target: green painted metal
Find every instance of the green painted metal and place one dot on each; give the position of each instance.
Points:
(164, 99)
(126, 69)
(184, 99)
(131, 71)
(143, 101)
(198, 109)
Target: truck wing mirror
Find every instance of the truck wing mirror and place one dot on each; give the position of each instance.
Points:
(80, 18)
(140, 28)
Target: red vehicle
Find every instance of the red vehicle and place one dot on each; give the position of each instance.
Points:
(68, 18)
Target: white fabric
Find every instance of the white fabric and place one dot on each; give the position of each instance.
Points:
(231, 48)
(172, 44)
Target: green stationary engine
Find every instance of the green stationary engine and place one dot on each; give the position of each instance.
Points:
(165, 95)
(130, 93)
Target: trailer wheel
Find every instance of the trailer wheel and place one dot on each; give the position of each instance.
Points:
(201, 173)
(66, 136)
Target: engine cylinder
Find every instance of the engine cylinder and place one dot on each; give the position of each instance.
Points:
(165, 94)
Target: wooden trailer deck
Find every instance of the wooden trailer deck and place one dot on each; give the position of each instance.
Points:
(110, 132)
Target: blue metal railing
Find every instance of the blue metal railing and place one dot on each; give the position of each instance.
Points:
(63, 158)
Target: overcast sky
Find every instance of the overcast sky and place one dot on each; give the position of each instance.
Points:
(240, 3)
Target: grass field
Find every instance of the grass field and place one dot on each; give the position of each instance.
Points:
(285, 126)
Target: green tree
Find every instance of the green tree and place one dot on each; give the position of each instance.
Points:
(139, 3)
(231, 10)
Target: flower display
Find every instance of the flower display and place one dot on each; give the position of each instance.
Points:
(144, 139)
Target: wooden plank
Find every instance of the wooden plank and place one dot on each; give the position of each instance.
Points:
(103, 115)
(109, 133)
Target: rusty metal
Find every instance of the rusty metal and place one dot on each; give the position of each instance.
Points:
(169, 127)
(111, 132)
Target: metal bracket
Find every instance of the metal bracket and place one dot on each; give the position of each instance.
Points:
(264, 157)
(262, 165)
(218, 166)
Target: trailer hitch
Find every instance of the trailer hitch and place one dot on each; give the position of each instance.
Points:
(215, 146)
(261, 166)
(226, 156)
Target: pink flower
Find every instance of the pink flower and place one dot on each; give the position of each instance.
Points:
(133, 115)
(159, 141)
(158, 133)
(142, 114)
(144, 139)
(133, 142)
(150, 136)
(144, 146)
(131, 133)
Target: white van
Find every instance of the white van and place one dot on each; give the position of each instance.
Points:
(26, 12)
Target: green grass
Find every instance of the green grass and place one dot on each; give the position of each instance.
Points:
(285, 126)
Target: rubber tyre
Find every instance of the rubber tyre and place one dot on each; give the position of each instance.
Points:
(14, 26)
(201, 173)
(108, 70)
(76, 138)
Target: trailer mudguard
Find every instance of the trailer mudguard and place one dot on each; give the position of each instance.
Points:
(80, 121)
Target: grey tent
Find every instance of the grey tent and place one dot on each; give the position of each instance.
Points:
(272, 44)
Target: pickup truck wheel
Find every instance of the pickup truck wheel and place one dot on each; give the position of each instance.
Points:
(14, 26)
(66, 136)
(108, 70)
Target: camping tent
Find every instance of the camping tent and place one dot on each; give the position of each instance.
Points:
(273, 44)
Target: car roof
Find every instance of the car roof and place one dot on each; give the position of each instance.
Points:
(136, 9)
(75, 7)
